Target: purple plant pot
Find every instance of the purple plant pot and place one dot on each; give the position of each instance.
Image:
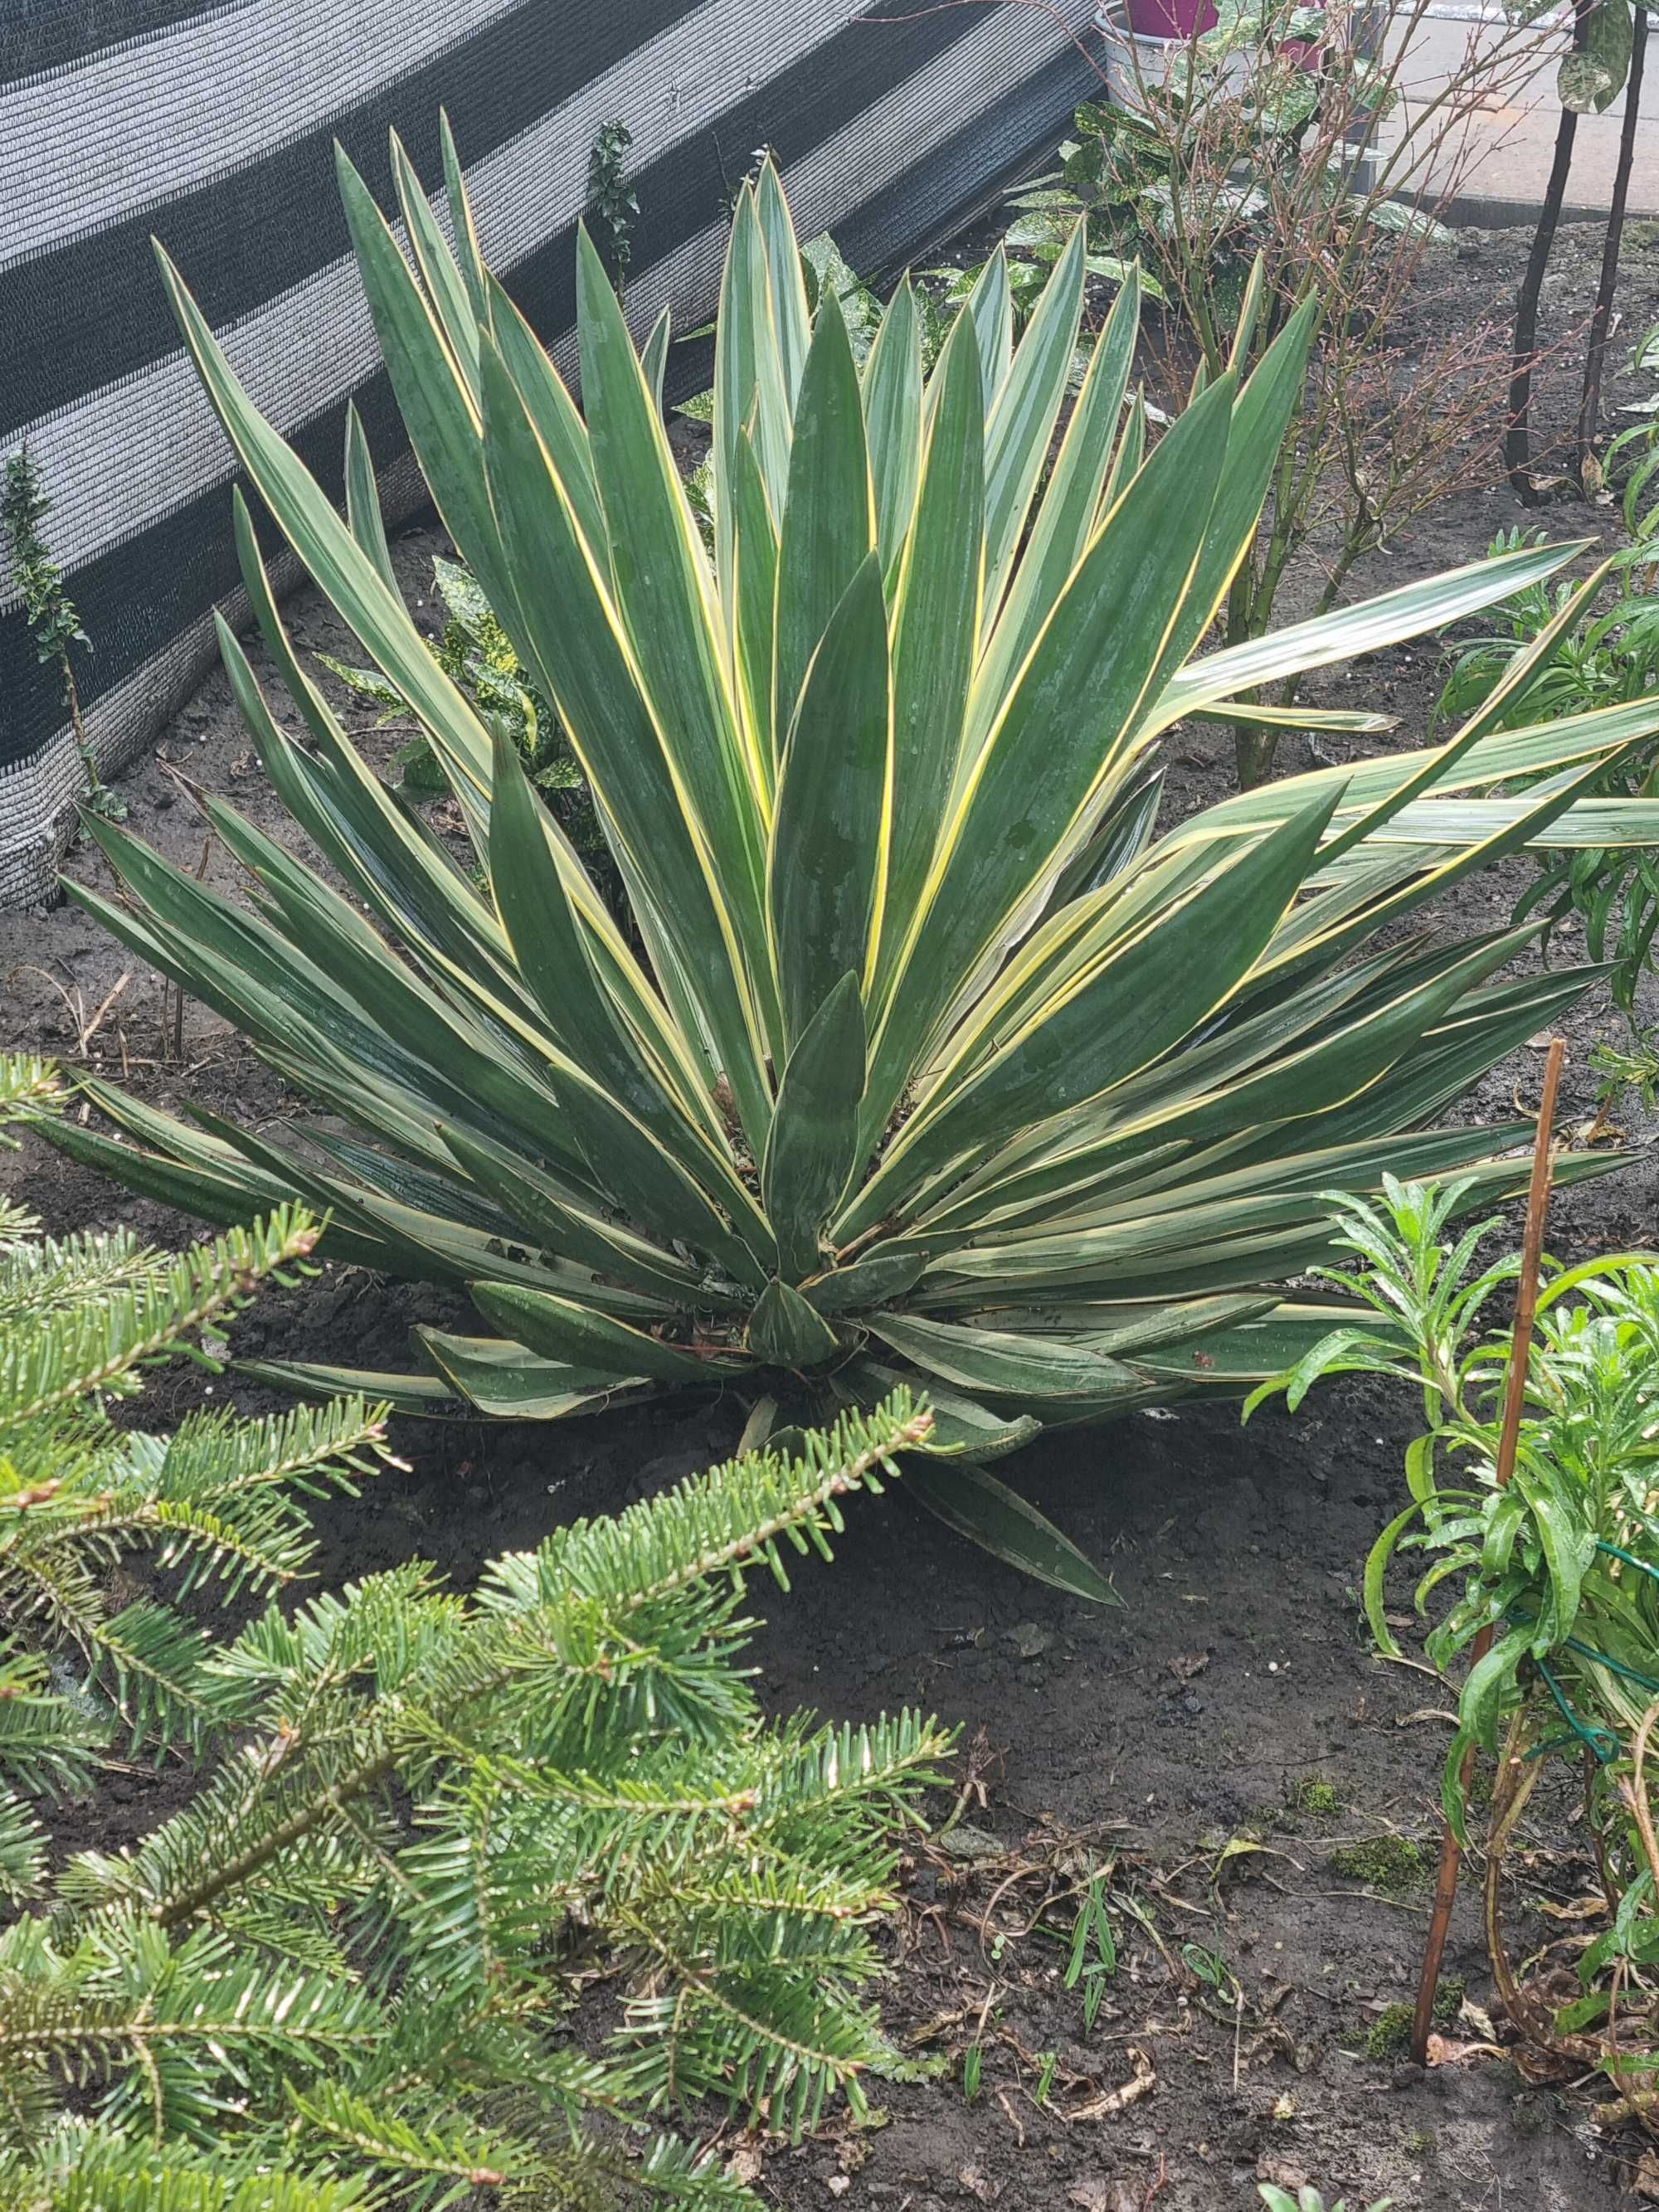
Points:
(1169, 19)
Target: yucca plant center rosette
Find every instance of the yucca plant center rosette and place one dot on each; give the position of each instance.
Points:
(930, 1055)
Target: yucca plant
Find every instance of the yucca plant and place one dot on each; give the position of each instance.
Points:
(928, 1054)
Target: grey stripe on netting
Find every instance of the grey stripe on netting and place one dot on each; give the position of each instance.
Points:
(42, 39)
(136, 126)
(87, 451)
(299, 353)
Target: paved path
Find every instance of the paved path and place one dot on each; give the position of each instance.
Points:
(1513, 137)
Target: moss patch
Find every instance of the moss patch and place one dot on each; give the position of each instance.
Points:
(1390, 2034)
(1315, 1798)
(1393, 1864)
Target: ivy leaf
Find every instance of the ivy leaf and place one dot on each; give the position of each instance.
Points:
(1589, 81)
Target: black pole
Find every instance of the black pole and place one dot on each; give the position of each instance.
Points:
(1517, 443)
(1589, 408)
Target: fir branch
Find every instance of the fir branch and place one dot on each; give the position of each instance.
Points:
(28, 1088)
(43, 1368)
(341, 1974)
(728, 1517)
(386, 2140)
(22, 1848)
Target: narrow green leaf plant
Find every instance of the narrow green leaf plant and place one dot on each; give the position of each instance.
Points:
(927, 1057)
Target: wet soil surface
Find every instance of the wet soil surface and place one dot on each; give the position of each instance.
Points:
(1218, 1743)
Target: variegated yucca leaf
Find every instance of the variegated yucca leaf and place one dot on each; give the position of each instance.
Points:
(928, 1055)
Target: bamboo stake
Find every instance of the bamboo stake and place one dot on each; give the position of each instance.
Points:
(1515, 1393)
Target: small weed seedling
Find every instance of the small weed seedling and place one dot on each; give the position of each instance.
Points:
(1094, 1951)
(973, 2060)
(1619, 1072)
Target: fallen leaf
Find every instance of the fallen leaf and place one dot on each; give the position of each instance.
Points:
(1599, 1132)
(1442, 2051)
(1244, 1847)
(1186, 1664)
(1140, 2084)
(978, 2183)
(1476, 2016)
(1647, 2177)
(1580, 1908)
(967, 1842)
(1281, 2173)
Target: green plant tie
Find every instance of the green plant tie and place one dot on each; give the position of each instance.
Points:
(1614, 1666)
(1564, 1742)
(1599, 1742)
(1648, 1682)
(1641, 1565)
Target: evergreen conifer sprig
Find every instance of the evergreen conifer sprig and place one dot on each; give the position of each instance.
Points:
(343, 1975)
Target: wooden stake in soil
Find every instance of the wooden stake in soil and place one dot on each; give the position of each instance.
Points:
(1515, 1393)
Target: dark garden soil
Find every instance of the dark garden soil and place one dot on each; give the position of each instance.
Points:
(1225, 1737)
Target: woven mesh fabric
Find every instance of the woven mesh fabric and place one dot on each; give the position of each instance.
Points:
(211, 124)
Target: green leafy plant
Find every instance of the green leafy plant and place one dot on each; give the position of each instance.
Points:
(1636, 448)
(973, 2062)
(476, 654)
(424, 1822)
(825, 269)
(1618, 1071)
(1242, 100)
(1593, 660)
(1048, 208)
(48, 608)
(1551, 1581)
(925, 1055)
(613, 205)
